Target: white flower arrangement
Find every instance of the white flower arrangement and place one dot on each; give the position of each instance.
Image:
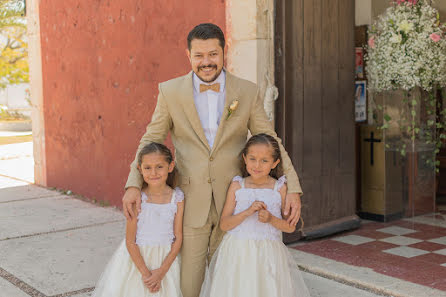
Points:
(407, 48)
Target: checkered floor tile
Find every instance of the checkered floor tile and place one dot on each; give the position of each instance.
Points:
(353, 239)
(395, 230)
(401, 240)
(405, 251)
(441, 252)
(412, 249)
(441, 240)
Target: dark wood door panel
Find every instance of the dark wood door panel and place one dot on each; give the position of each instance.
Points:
(314, 112)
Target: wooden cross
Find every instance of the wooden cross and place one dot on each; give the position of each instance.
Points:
(372, 140)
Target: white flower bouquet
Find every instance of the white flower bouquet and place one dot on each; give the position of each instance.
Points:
(407, 48)
(406, 51)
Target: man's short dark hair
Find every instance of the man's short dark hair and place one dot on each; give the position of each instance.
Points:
(206, 31)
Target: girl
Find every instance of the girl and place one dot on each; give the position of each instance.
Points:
(146, 263)
(251, 259)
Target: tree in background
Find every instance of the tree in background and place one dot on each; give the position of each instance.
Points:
(14, 67)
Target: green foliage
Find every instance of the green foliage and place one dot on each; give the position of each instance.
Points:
(12, 14)
(429, 130)
(14, 66)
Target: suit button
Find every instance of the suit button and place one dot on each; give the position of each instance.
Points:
(211, 159)
(209, 180)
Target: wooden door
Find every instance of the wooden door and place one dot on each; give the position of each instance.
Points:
(314, 60)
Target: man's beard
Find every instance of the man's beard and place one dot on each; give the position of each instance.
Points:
(211, 79)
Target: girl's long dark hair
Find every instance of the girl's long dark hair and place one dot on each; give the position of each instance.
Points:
(263, 138)
(155, 147)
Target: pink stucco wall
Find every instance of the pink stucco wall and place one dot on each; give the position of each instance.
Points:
(101, 63)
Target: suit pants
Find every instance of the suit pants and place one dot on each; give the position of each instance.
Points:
(199, 244)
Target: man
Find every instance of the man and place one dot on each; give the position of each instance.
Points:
(208, 112)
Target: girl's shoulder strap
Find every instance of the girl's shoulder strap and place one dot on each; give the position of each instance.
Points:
(144, 197)
(177, 195)
(280, 182)
(240, 180)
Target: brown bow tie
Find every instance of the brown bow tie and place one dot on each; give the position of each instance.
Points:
(214, 87)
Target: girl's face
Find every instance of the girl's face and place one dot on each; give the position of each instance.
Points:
(155, 169)
(259, 160)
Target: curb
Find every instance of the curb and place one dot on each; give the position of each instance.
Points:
(361, 277)
(16, 126)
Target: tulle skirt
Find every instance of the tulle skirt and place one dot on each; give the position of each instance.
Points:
(121, 278)
(257, 268)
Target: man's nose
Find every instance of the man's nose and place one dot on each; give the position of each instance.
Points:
(206, 60)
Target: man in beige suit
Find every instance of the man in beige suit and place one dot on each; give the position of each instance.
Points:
(208, 137)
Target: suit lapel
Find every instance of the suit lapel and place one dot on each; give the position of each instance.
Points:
(231, 95)
(190, 109)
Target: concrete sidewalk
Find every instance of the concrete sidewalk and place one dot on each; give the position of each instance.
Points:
(52, 244)
(16, 161)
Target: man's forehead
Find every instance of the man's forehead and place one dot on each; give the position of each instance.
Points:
(202, 45)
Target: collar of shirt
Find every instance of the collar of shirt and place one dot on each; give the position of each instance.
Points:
(220, 79)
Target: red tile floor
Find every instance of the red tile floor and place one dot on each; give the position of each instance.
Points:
(410, 249)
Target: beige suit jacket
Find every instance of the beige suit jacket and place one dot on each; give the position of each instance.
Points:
(203, 172)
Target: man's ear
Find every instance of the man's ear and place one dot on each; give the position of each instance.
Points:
(188, 54)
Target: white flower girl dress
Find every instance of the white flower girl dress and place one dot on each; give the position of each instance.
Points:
(252, 259)
(154, 236)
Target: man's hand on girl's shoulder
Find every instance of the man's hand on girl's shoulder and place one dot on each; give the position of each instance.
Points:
(131, 196)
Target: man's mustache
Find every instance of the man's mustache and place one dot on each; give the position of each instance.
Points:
(206, 66)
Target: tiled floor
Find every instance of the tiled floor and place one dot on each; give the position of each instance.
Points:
(411, 249)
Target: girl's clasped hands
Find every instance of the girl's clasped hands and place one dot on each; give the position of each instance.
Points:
(153, 280)
(264, 216)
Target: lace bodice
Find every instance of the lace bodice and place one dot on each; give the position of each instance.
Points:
(155, 221)
(251, 228)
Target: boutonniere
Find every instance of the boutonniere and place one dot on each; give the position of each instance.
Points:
(232, 108)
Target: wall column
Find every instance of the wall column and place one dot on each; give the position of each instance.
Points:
(250, 36)
(35, 73)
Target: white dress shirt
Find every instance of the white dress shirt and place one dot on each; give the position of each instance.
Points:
(210, 106)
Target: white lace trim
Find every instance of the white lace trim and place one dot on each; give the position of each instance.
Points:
(238, 179)
(179, 195)
(280, 182)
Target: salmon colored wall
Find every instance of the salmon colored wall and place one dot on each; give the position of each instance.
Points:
(101, 63)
